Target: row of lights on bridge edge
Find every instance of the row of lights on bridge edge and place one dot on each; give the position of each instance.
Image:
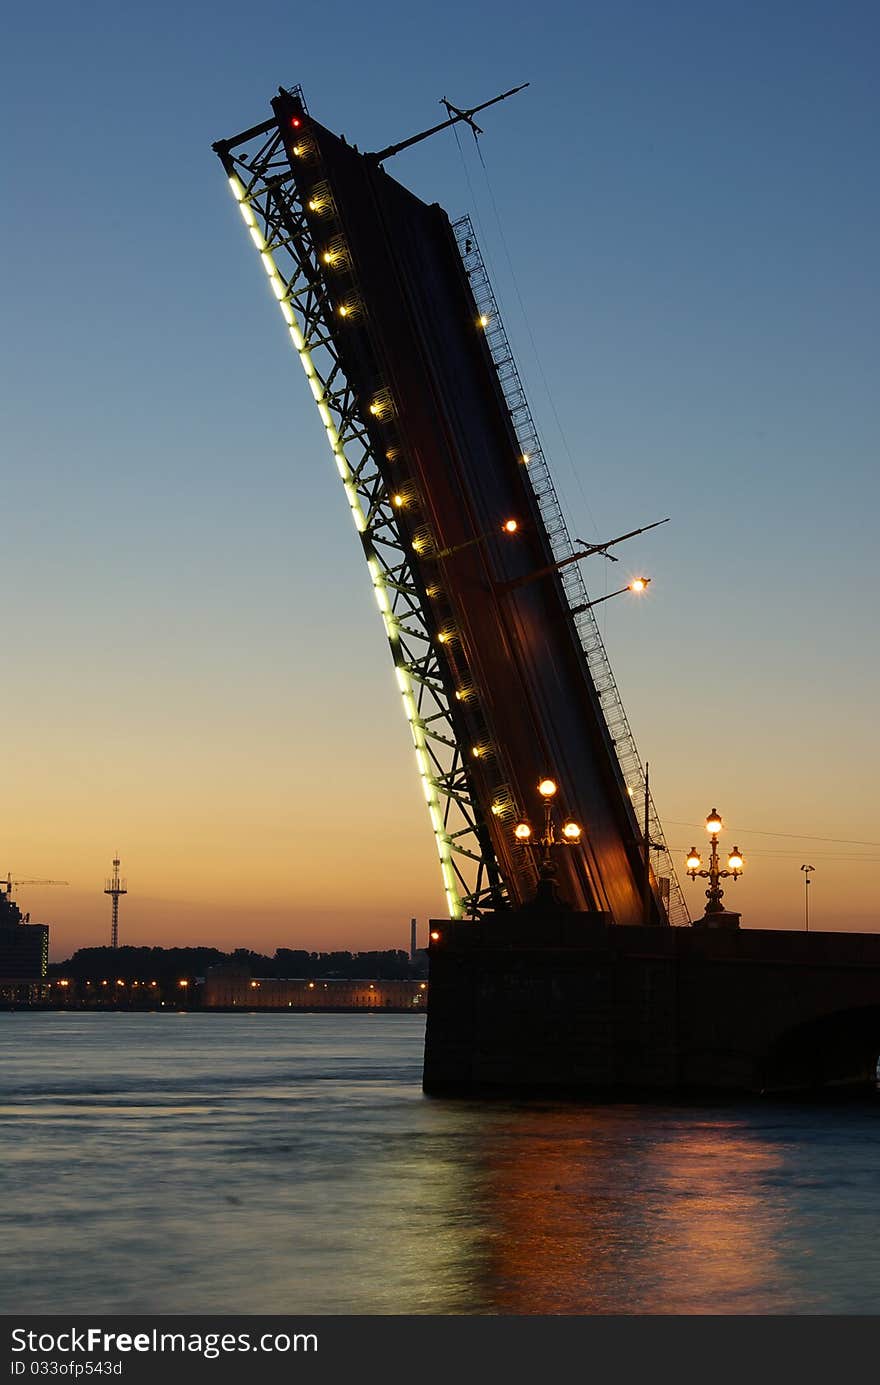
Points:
(399, 500)
(571, 831)
(377, 409)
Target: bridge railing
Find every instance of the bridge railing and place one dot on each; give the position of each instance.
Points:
(571, 577)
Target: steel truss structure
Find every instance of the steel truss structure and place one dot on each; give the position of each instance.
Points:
(570, 576)
(364, 443)
(262, 182)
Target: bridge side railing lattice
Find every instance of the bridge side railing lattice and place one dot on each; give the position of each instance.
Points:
(571, 577)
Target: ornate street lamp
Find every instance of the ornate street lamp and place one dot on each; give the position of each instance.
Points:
(570, 835)
(715, 874)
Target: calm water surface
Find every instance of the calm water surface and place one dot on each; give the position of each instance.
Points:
(289, 1163)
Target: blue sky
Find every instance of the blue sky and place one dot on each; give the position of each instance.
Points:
(690, 210)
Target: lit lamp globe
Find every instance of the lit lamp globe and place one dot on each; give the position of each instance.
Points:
(714, 823)
(510, 526)
(547, 788)
(522, 831)
(693, 861)
(571, 831)
(735, 861)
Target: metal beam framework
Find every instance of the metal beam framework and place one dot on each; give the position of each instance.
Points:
(360, 438)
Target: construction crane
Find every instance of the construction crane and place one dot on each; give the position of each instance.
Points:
(9, 884)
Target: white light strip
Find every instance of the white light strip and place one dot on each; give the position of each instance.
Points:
(404, 681)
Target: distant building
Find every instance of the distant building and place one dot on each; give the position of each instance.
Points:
(24, 954)
(229, 988)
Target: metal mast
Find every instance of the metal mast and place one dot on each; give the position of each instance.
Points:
(114, 888)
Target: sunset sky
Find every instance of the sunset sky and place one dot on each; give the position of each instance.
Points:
(195, 671)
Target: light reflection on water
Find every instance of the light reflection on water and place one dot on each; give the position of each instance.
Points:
(289, 1163)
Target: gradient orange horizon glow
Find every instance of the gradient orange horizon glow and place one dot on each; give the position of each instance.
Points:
(223, 846)
(195, 671)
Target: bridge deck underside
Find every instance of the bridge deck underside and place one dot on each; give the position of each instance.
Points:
(526, 704)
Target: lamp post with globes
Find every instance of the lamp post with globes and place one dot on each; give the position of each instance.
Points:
(716, 915)
(548, 842)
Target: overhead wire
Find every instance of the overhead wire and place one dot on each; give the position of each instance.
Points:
(522, 310)
(792, 836)
(798, 855)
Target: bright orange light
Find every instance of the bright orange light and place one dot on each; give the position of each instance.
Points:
(120, 983)
(638, 584)
(435, 937)
(397, 500)
(522, 831)
(423, 985)
(342, 310)
(571, 831)
(484, 321)
(510, 526)
(714, 823)
(734, 860)
(547, 788)
(184, 984)
(693, 860)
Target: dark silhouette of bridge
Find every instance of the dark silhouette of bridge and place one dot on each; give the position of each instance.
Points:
(580, 1004)
(566, 972)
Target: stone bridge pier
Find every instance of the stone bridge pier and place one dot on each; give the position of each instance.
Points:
(569, 1003)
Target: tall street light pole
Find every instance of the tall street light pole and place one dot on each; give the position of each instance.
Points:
(806, 870)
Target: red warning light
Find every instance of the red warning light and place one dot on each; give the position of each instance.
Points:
(295, 122)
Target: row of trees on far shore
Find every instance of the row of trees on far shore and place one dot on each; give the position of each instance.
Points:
(161, 963)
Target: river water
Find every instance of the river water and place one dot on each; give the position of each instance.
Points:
(289, 1163)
